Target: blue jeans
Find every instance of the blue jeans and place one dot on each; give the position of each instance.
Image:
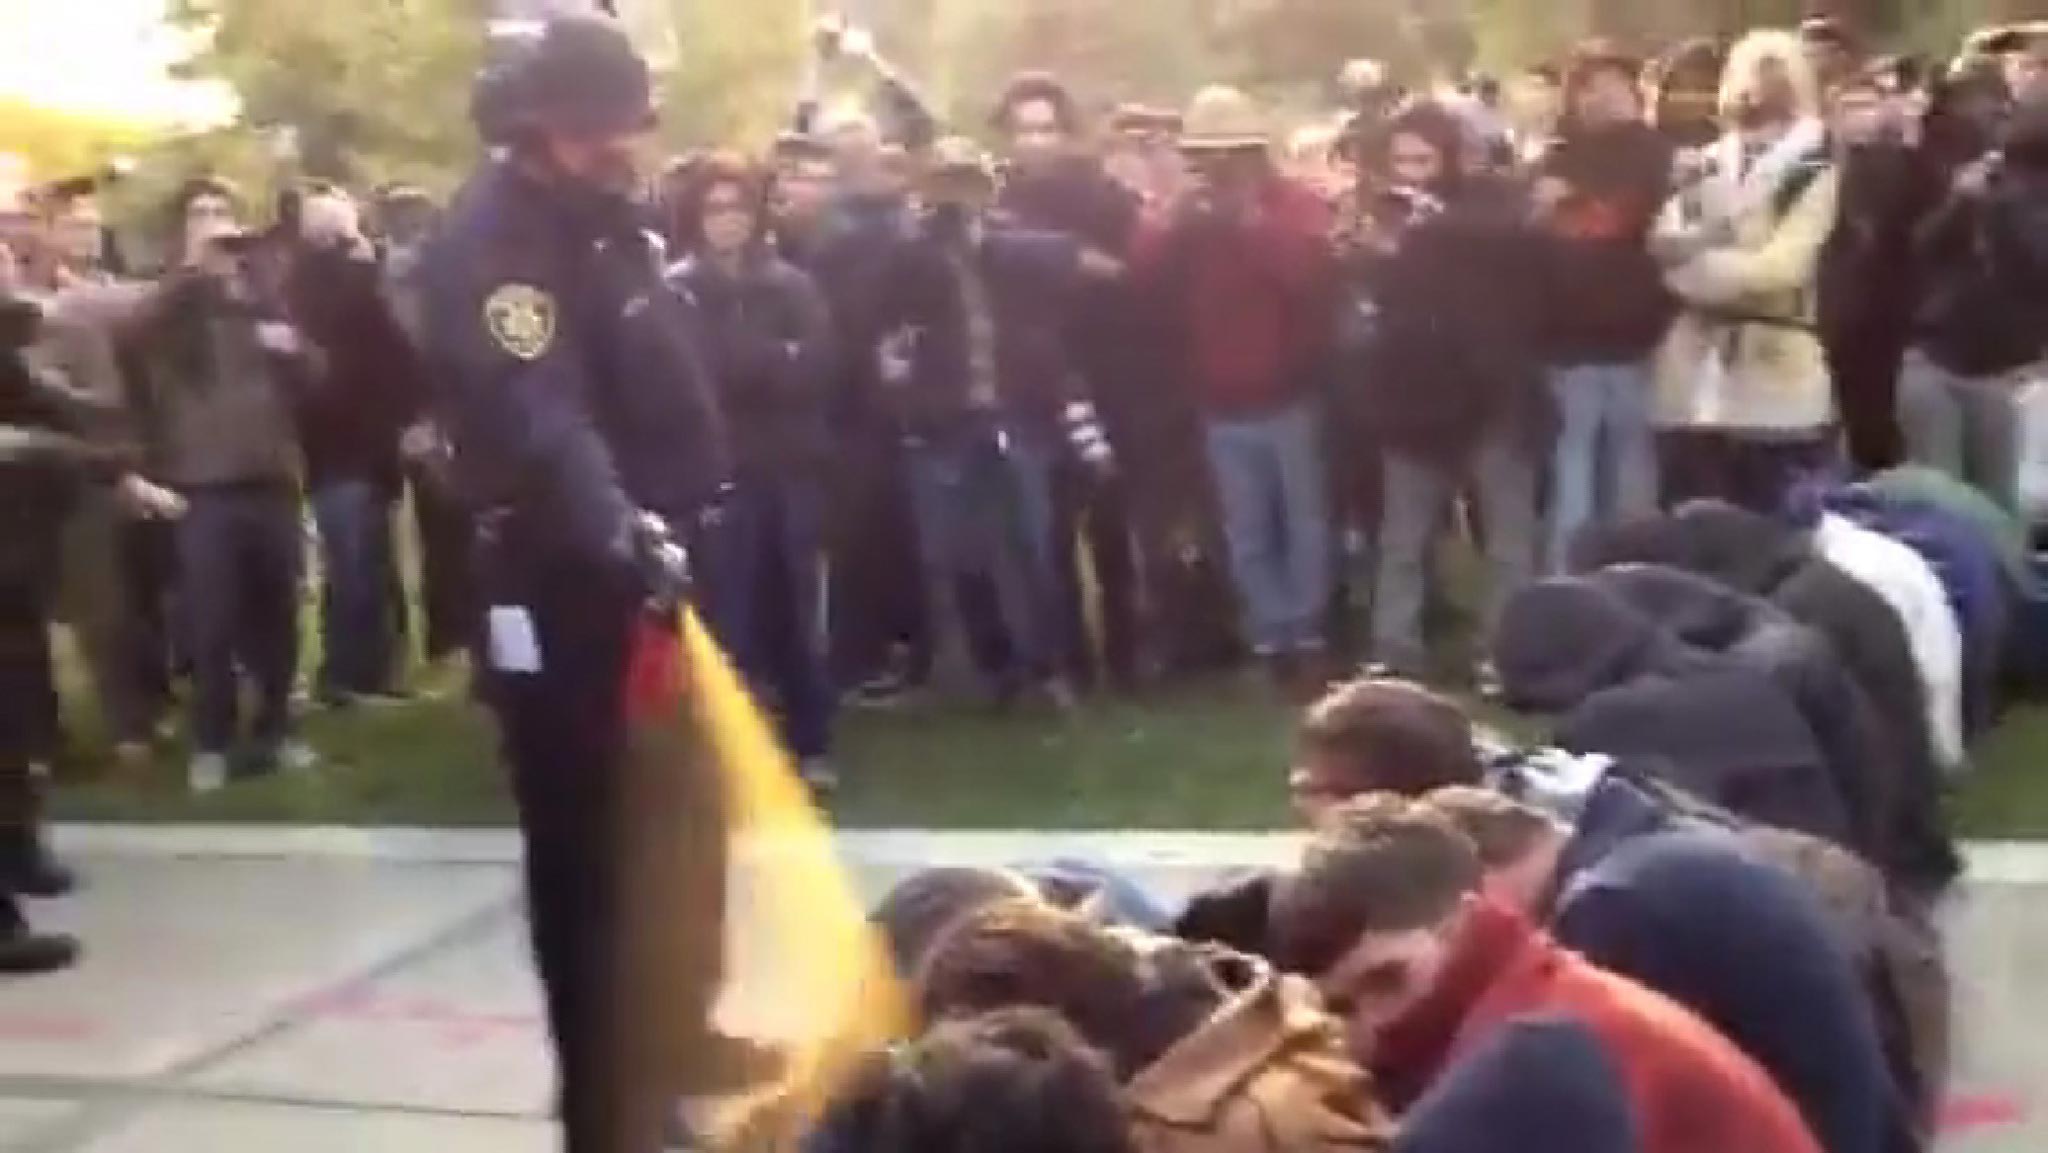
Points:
(239, 553)
(984, 514)
(1968, 427)
(762, 582)
(1418, 496)
(354, 521)
(1275, 503)
(1605, 467)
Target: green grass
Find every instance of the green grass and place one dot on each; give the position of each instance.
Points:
(1209, 757)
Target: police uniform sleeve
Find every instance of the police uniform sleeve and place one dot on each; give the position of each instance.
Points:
(522, 410)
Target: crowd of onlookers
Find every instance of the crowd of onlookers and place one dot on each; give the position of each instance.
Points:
(1724, 362)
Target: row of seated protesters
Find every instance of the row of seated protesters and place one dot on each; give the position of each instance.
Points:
(1478, 948)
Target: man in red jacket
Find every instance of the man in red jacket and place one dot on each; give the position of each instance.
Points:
(1243, 267)
(1386, 910)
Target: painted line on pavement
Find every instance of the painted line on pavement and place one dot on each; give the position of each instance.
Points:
(1992, 862)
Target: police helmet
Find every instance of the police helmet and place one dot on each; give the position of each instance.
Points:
(580, 75)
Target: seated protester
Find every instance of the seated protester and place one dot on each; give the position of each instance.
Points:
(1392, 736)
(1453, 378)
(1767, 558)
(1539, 1085)
(1728, 935)
(1019, 1080)
(1371, 735)
(1965, 561)
(1386, 910)
(1743, 393)
(916, 914)
(1621, 686)
(1908, 585)
(1981, 328)
(1902, 833)
(1915, 487)
(1215, 1050)
(768, 341)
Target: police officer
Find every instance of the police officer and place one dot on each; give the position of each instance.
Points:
(577, 411)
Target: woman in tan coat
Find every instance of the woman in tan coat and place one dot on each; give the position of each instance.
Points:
(1743, 394)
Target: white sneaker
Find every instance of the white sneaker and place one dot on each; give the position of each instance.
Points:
(208, 774)
(297, 757)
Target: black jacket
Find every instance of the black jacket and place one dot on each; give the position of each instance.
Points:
(1756, 635)
(1623, 686)
(1604, 295)
(1776, 562)
(768, 343)
(1457, 342)
(1984, 306)
(369, 388)
(1742, 944)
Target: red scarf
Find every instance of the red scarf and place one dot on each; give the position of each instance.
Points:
(1410, 1052)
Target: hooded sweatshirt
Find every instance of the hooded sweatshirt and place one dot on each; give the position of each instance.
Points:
(1543, 1084)
(1741, 943)
(1866, 771)
(1905, 582)
(1690, 1089)
(1896, 956)
(1772, 560)
(1628, 689)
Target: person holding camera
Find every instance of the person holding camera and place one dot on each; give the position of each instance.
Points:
(1453, 383)
(225, 368)
(1980, 327)
(982, 400)
(1242, 265)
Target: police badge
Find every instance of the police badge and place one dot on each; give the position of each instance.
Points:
(521, 318)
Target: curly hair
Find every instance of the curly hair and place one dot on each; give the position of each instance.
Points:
(1015, 953)
(1012, 1081)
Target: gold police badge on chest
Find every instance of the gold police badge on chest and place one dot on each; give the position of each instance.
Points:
(521, 318)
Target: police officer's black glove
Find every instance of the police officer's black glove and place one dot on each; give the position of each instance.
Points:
(662, 564)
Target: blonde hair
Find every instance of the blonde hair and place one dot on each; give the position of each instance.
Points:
(1768, 46)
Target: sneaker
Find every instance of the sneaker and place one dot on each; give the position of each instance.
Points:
(26, 953)
(207, 774)
(819, 774)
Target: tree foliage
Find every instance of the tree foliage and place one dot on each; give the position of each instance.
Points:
(365, 90)
(731, 75)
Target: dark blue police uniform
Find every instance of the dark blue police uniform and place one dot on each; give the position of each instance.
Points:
(569, 386)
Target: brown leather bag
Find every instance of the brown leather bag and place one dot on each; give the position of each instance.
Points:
(1267, 1073)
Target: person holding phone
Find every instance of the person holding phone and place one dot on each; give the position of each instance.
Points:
(224, 370)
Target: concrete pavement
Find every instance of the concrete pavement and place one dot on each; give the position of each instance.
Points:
(339, 990)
